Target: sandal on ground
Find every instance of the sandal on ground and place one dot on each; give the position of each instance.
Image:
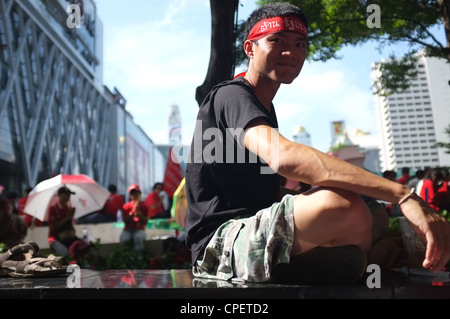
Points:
(34, 267)
(18, 253)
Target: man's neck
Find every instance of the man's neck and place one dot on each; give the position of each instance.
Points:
(264, 89)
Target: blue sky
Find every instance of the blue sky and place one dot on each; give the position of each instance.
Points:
(157, 53)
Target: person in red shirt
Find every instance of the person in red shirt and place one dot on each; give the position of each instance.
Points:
(404, 179)
(61, 232)
(135, 217)
(22, 201)
(108, 214)
(12, 228)
(433, 187)
(29, 220)
(155, 202)
(114, 202)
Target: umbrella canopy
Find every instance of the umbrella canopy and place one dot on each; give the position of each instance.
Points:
(89, 196)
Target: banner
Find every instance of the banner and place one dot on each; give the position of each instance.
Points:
(172, 176)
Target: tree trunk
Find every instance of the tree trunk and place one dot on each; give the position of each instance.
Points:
(445, 8)
(221, 62)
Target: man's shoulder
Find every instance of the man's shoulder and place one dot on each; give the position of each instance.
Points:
(230, 85)
(118, 198)
(150, 196)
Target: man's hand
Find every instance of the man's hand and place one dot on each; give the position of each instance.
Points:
(432, 228)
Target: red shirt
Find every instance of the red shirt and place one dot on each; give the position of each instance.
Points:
(21, 205)
(431, 195)
(134, 223)
(152, 199)
(27, 218)
(404, 179)
(55, 214)
(113, 204)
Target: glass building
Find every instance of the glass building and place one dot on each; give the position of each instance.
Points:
(56, 117)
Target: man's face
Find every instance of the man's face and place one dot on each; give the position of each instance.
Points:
(64, 197)
(6, 211)
(279, 56)
(158, 189)
(135, 195)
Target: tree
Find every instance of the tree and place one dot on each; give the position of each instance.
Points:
(223, 38)
(443, 144)
(334, 24)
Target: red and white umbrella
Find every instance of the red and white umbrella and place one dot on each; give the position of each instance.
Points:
(88, 198)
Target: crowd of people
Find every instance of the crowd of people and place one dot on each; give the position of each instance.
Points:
(62, 237)
(431, 184)
(240, 224)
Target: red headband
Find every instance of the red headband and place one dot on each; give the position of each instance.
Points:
(276, 24)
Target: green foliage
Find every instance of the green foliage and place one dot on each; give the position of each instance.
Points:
(394, 224)
(396, 75)
(393, 227)
(334, 24)
(125, 257)
(446, 214)
(443, 144)
(339, 147)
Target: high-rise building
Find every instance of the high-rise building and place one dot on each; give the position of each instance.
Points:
(412, 122)
(56, 116)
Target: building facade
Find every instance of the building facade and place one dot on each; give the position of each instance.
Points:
(56, 117)
(301, 136)
(412, 122)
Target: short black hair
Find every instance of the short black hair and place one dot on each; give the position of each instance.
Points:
(64, 190)
(11, 195)
(270, 10)
(112, 188)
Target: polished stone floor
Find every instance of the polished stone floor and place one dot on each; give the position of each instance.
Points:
(179, 284)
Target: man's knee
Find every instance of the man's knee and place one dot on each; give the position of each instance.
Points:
(351, 211)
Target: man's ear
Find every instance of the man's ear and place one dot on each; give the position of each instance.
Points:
(248, 48)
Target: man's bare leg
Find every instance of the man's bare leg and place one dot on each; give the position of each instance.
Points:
(331, 218)
(333, 233)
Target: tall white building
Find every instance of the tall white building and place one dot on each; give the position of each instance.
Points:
(411, 123)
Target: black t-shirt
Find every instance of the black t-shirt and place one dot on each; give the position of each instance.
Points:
(223, 179)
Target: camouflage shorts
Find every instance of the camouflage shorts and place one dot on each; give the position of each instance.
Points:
(248, 248)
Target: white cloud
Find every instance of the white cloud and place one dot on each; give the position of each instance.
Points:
(157, 54)
(320, 96)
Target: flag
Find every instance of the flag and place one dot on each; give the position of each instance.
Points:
(179, 205)
(338, 128)
(173, 175)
